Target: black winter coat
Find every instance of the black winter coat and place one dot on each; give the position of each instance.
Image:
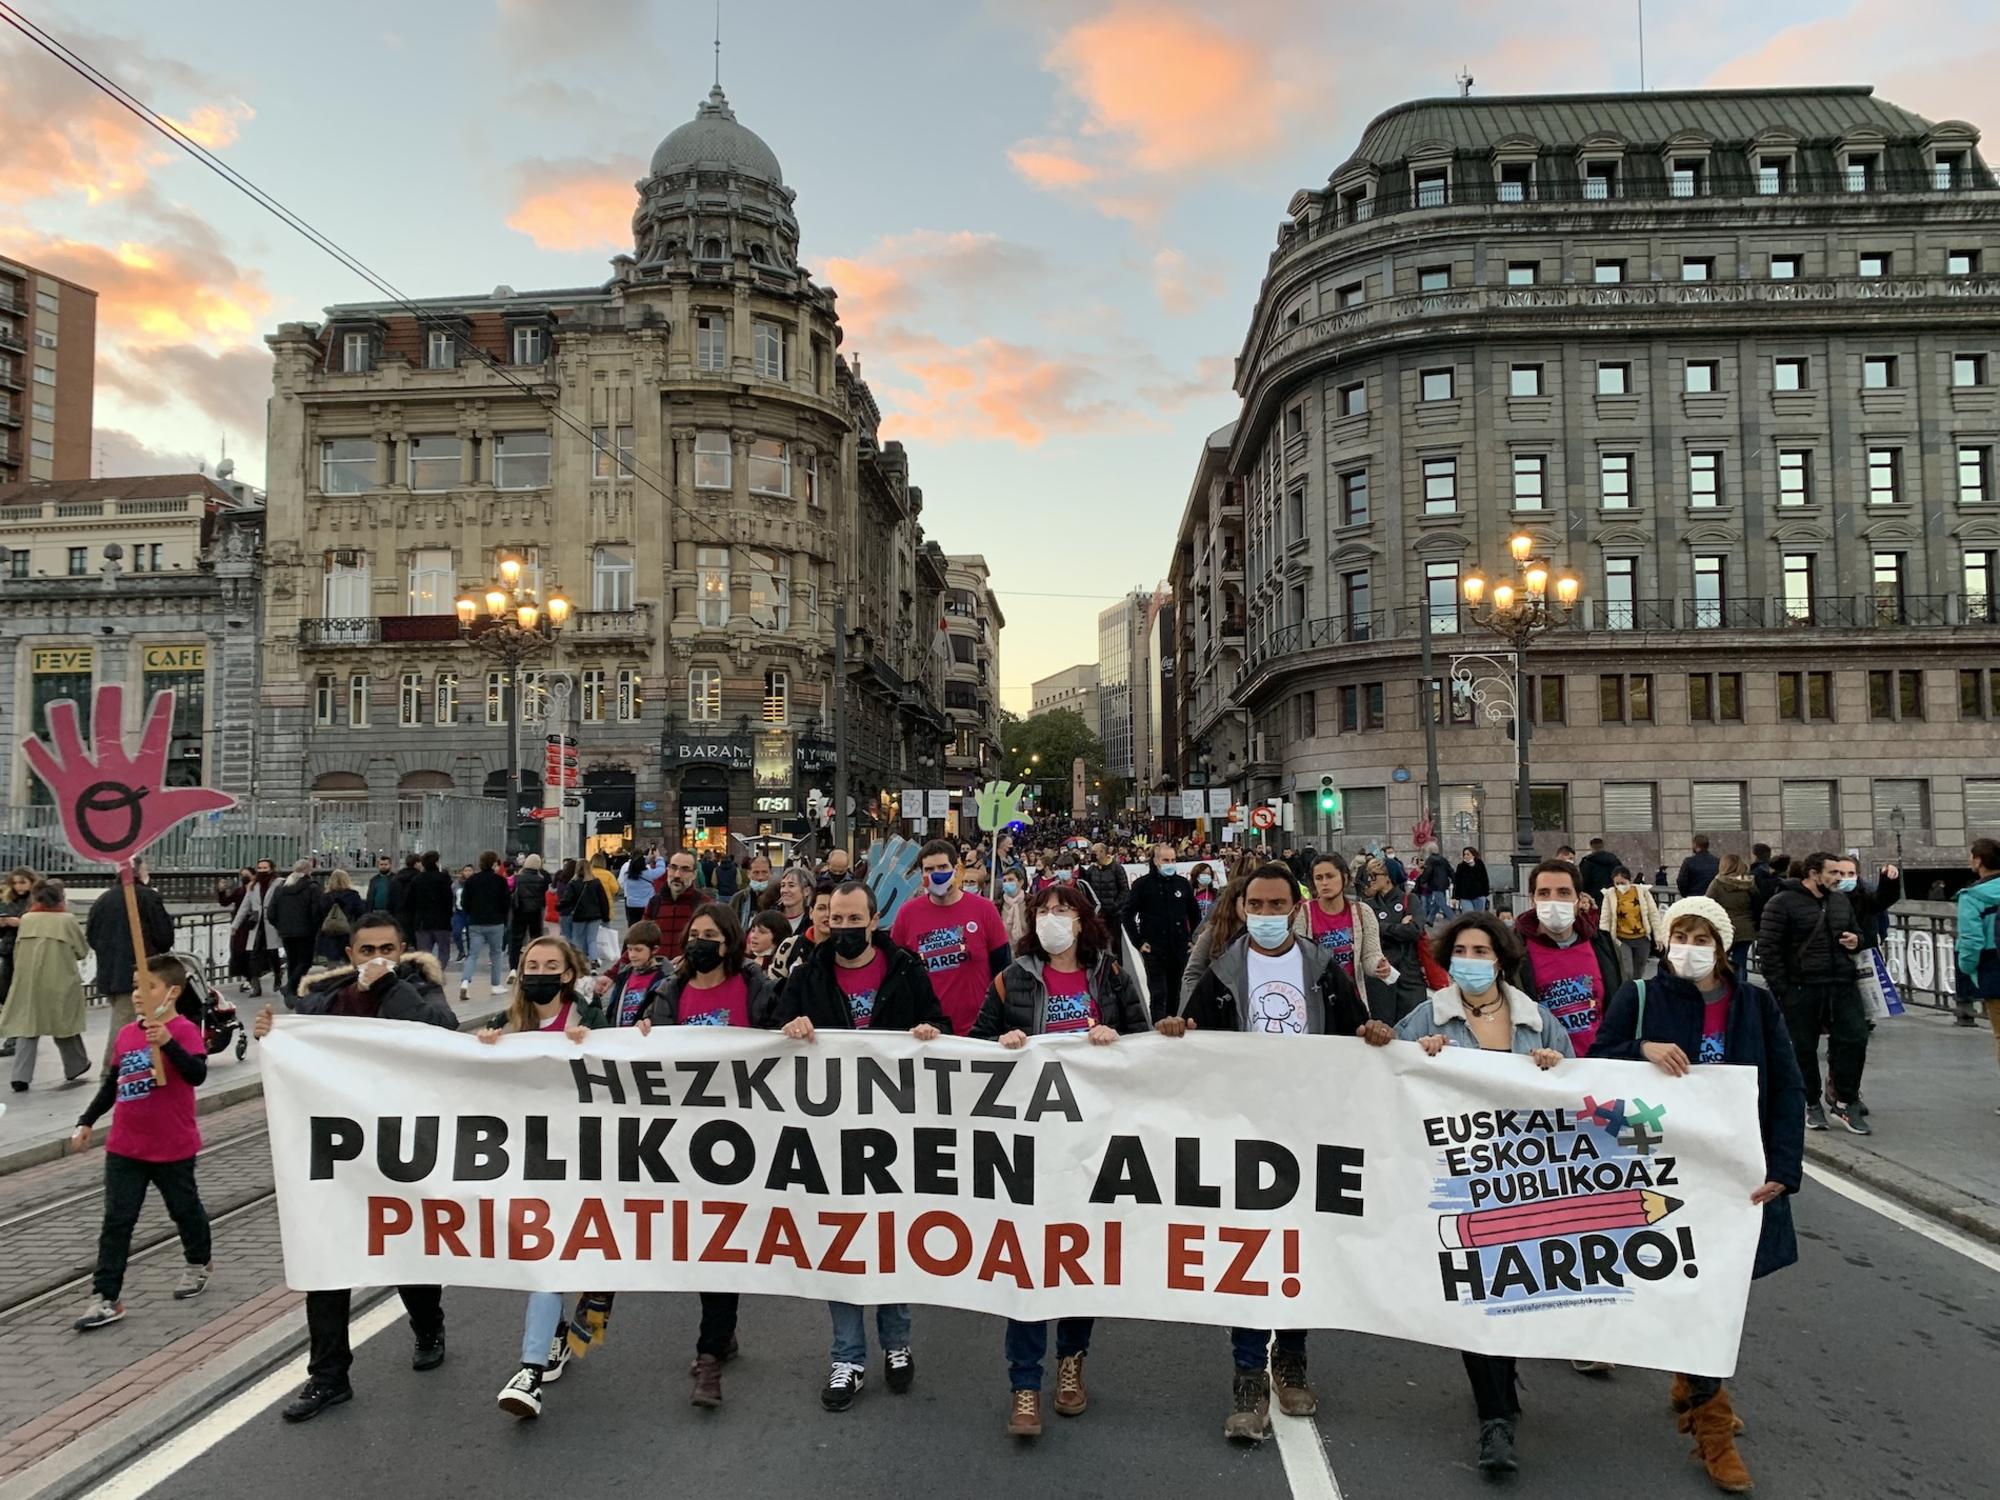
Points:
(109, 932)
(1756, 1038)
(665, 1009)
(531, 889)
(293, 908)
(485, 899)
(399, 894)
(1697, 870)
(430, 901)
(587, 901)
(1161, 910)
(1109, 886)
(1018, 999)
(1798, 941)
(905, 999)
(1469, 882)
(1597, 869)
(1336, 1007)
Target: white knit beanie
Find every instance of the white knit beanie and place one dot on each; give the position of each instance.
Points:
(1709, 911)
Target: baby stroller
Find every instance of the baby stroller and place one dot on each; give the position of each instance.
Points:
(202, 1003)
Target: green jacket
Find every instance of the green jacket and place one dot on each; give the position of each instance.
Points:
(46, 996)
(589, 1014)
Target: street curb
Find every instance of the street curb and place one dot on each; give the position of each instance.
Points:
(77, 1467)
(1940, 1200)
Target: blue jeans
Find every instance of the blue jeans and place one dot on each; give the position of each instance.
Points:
(1437, 905)
(545, 1315)
(1028, 1342)
(850, 1330)
(1251, 1346)
(494, 940)
(458, 931)
(1477, 903)
(566, 929)
(585, 939)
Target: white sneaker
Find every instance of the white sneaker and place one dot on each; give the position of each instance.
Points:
(464, 992)
(101, 1312)
(194, 1279)
(500, 989)
(522, 1396)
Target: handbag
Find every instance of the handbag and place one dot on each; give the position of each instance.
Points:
(336, 923)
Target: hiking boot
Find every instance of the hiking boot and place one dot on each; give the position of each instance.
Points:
(1288, 1374)
(559, 1355)
(842, 1386)
(1496, 1446)
(1071, 1397)
(100, 1312)
(1250, 1414)
(429, 1353)
(193, 1280)
(899, 1368)
(707, 1381)
(1024, 1415)
(1850, 1118)
(522, 1396)
(1712, 1426)
(1815, 1117)
(726, 1356)
(314, 1398)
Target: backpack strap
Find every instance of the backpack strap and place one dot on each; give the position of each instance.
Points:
(1639, 1025)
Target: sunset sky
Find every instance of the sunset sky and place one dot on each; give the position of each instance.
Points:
(1047, 222)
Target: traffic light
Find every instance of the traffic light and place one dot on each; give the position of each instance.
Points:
(1329, 799)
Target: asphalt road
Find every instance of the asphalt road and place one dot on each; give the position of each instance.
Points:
(1867, 1371)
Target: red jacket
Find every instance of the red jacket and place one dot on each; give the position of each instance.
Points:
(673, 913)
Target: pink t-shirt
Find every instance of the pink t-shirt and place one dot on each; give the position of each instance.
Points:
(153, 1121)
(859, 986)
(1572, 988)
(1070, 1007)
(560, 1020)
(727, 1004)
(1335, 933)
(1715, 1025)
(956, 944)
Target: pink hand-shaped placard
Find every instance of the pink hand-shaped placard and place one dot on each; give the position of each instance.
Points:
(114, 804)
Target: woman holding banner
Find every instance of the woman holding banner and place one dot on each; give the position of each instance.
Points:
(1480, 1009)
(1699, 1010)
(1065, 983)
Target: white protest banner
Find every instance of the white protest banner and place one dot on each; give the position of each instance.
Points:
(940, 804)
(1218, 801)
(1600, 1210)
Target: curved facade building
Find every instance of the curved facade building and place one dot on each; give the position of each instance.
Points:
(1731, 357)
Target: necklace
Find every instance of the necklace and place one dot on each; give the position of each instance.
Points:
(1483, 1010)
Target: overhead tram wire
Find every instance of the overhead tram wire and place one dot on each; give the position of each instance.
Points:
(652, 478)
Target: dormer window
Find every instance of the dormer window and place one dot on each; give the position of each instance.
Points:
(440, 350)
(711, 249)
(1948, 169)
(1688, 178)
(1356, 205)
(1774, 174)
(1432, 187)
(1517, 181)
(759, 255)
(1600, 181)
(1861, 171)
(357, 353)
(529, 346)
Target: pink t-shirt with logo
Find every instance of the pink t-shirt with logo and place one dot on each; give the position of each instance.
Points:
(859, 986)
(153, 1121)
(956, 944)
(1572, 988)
(727, 1004)
(1335, 933)
(1070, 1007)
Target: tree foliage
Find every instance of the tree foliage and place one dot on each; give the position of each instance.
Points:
(1058, 737)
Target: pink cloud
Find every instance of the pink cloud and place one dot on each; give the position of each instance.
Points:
(954, 268)
(1894, 44)
(575, 205)
(990, 390)
(1181, 285)
(1051, 165)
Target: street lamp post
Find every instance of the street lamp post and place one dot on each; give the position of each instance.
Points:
(1896, 822)
(1518, 610)
(515, 625)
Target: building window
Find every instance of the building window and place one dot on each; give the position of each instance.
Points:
(1968, 369)
(1685, 179)
(1353, 399)
(777, 698)
(630, 698)
(1614, 479)
(1961, 263)
(770, 467)
(79, 561)
(1979, 693)
(611, 578)
(1885, 476)
(1354, 498)
(521, 460)
(1709, 591)
(767, 341)
(1608, 272)
(1437, 385)
(1358, 593)
(1524, 380)
(41, 448)
(440, 352)
(1625, 699)
(711, 461)
(1878, 372)
(1774, 174)
(1715, 697)
(356, 353)
(1461, 706)
(1441, 596)
(1702, 377)
(1548, 700)
(1523, 272)
(529, 346)
(433, 582)
(705, 695)
(1704, 480)
(534, 697)
(1789, 374)
(357, 701)
(410, 699)
(1872, 264)
(41, 410)
(17, 563)
(1351, 295)
(1980, 569)
(610, 452)
(592, 679)
(1614, 379)
(1434, 279)
(1895, 695)
(1809, 806)
(1361, 707)
(1785, 267)
(326, 693)
(712, 586)
(496, 697)
(710, 352)
(1805, 697)
(1860, 172)
(771, 593)
(1888, 577)
(1621, 590)
(447, 698)
(1975, 475)
(1305, 715)
(1440, 486)
(346, 465)
(145, 556)
(1631, 807)
(1365, 810)
(1295, 508)
(1697, 268)
(434, 462)
(1798, 586)
(1530, 476)
(1432, 188)
(1794, 477)
(1517, 181)
(1718, 806)
(1909, 799)
(1600, 181)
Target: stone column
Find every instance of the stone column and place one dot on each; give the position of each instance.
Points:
(466, 451)
(385, 458)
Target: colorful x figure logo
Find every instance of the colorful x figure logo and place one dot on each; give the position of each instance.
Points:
(1610, 1115)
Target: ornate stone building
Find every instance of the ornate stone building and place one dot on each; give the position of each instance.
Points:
(1732, 357)
(681, 450)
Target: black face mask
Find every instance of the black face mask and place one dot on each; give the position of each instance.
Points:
(704, 955)
(850, 942)
(540, 989)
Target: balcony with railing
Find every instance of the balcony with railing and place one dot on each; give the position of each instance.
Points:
(12, 342)
(634, 624)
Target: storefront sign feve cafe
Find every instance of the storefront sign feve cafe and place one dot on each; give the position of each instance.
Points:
(175, 658)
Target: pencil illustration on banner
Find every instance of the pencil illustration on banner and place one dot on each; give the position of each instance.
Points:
(1587, 1213)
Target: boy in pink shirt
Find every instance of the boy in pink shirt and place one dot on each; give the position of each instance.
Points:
(957, 935)
(153, 1138)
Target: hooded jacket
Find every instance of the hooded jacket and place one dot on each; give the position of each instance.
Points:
(1019, 1000)
(1333, 1005)
(1737, 896)
(412, 991)
(904, 1000)
(1597, 868)
(1798, 942)
(1611, 968)
(1978, 943)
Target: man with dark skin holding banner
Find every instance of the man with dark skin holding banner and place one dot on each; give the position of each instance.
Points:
(1269, 984)
(382, 979)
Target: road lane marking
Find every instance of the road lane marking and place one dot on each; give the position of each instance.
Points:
(1300, 1446)
(1895, 1213)
(162, 1461)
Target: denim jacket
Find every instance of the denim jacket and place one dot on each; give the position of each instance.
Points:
(1444, 1015)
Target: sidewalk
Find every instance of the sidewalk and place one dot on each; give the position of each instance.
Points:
(1933, 1088)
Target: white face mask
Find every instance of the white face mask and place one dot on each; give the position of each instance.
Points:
(1691, 961)
(1556, 916)
(1055, 932)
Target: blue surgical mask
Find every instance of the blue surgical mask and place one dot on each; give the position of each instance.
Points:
(939, 879)
(1010, 887)
(1204, 880)
(1846, 883)
(1269, 932)
(1474, 976)
(758, 885)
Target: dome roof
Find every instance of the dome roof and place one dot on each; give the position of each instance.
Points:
(714, 139)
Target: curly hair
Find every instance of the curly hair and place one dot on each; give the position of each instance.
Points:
(1506, 946)
(1093, 939)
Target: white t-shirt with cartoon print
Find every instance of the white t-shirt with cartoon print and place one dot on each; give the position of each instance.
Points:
(1276, 1004)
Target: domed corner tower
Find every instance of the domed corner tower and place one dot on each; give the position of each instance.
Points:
(715, 191)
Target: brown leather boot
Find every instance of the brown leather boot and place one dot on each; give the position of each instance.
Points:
(1024, 1415)
(1682, 1397)
(1071, 1397)
(707, 1381)
(1712, 1425)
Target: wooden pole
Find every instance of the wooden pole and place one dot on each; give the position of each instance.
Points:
(128, 881)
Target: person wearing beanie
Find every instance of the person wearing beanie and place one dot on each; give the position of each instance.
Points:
(1699, 1010)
